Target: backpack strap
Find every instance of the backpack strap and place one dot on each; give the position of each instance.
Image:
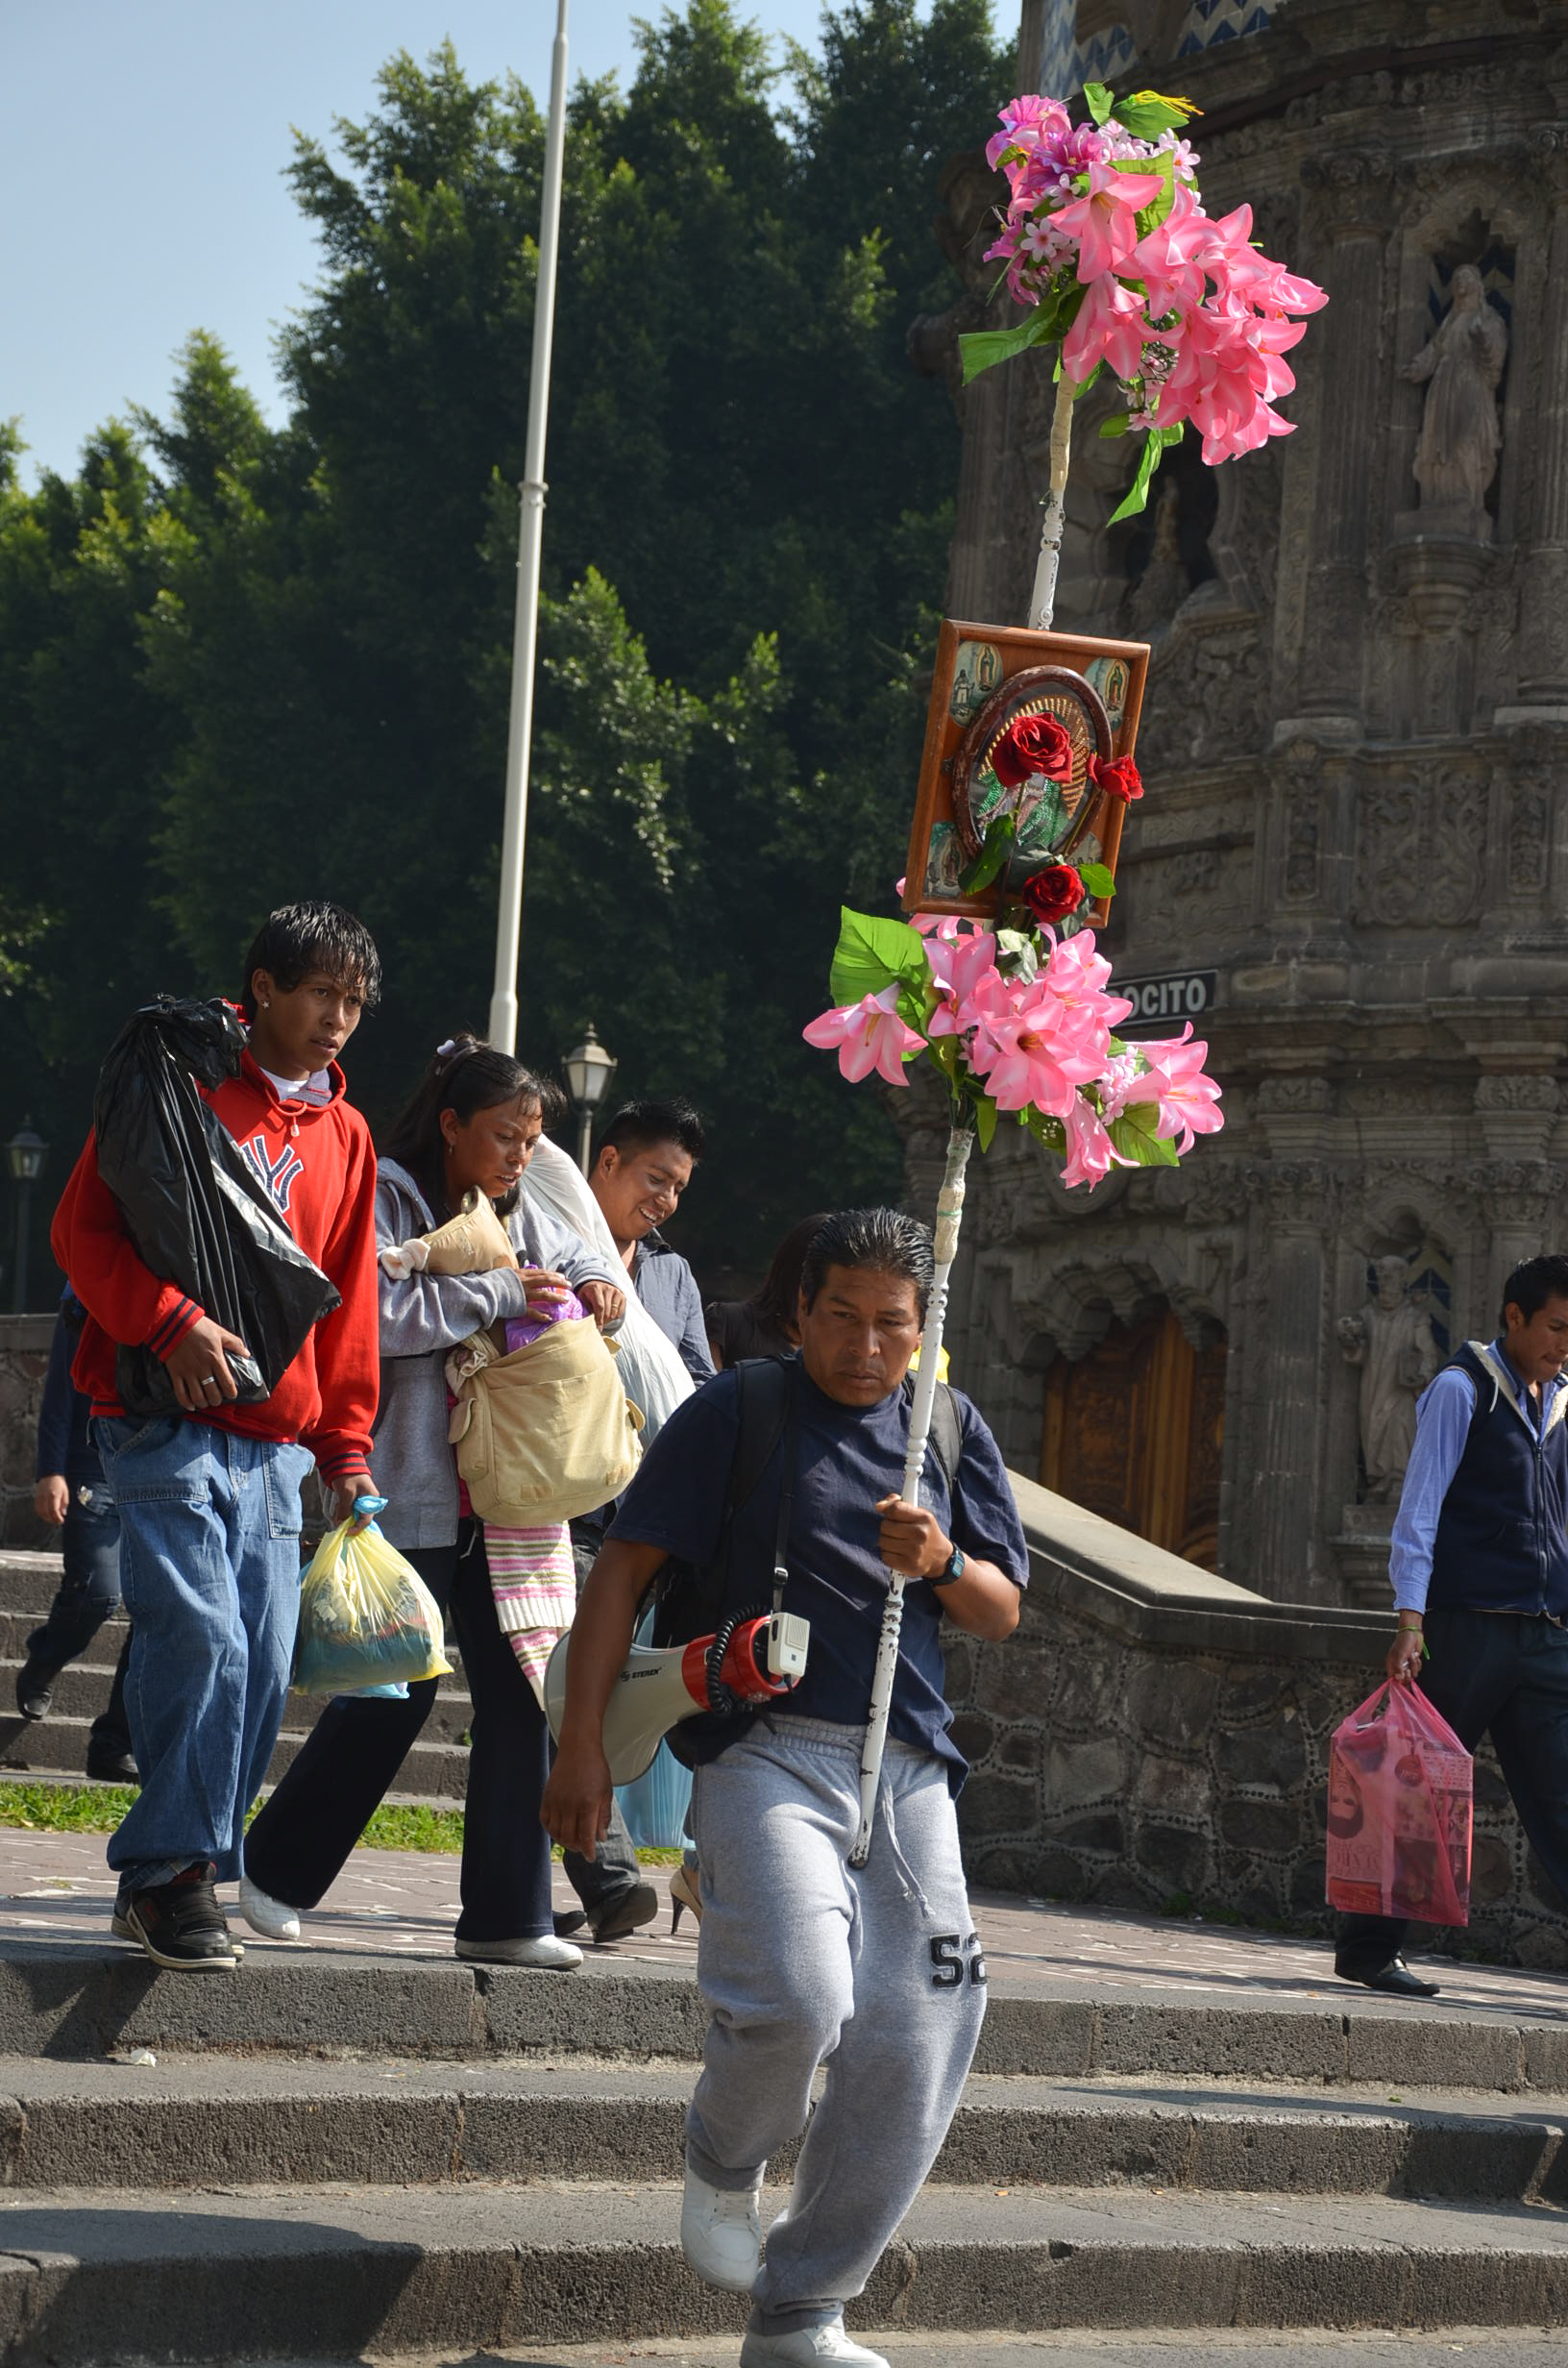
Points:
(946, 1440)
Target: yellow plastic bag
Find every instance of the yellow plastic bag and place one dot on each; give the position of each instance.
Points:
(366, 1618)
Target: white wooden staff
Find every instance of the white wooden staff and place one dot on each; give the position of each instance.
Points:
(949, 1215)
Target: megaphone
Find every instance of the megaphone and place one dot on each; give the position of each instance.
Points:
(660, 1686)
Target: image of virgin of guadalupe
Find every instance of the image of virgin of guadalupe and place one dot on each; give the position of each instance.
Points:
(976, 671)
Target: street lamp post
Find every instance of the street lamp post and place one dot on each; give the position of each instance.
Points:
(530, 536)
(25, 1155)
(589, 1068)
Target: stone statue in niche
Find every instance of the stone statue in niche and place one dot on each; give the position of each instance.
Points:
(1460, 368)
(1390, 1340)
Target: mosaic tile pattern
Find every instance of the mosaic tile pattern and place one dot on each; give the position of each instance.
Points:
(1067, 64)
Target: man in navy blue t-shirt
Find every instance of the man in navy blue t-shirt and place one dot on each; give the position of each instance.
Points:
(804, 1961)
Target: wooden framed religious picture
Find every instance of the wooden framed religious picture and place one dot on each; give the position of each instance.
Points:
(1019, 728)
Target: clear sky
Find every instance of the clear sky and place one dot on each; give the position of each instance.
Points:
(141, 163)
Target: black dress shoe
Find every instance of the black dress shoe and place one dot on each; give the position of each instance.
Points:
(107, 1765)
(567, 1921)
(1395, 1980)
(35, 1689)
(623, 1911)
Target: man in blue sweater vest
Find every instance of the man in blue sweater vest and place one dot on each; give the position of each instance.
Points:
(1480, 1571)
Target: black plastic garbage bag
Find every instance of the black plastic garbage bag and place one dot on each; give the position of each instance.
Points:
(197, 1215)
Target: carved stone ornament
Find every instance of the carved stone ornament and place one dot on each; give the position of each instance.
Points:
(1390, 1340)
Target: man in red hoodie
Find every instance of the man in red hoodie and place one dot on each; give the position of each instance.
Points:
(209, 1498)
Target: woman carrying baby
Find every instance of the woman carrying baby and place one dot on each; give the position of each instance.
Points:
(472, 1126)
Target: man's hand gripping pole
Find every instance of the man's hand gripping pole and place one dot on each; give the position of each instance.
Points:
(950, 1217)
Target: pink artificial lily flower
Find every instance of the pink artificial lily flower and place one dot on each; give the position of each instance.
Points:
(868, 1035)
(1091, 1153)
(1170, 258)
(1026, 121)
(1104, 221)
(1189, 1100)
(1111, 327)
(1026, 1048)
(1076, 976)
(959, 967)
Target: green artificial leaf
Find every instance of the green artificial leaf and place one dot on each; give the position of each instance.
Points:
(1116, 424)
(1146, 114)
(1150, 216)
(1133, 1137)
(1100, 102)
(1148, 460)
(871, 953)
(1098, 878)
(984, 1120)
(1000, 833)
(982, 349)
(1016, 954)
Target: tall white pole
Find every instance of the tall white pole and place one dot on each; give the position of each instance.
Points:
(529, 538)
(949, 1218)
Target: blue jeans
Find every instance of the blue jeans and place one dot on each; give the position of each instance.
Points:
(209, 1571)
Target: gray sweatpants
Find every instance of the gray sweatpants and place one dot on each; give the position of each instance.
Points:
(803, 1961)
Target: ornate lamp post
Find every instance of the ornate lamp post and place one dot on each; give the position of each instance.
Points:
(589, 1068)
(25, 1155)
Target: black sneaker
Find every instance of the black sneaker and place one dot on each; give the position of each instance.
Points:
(179, 1924)
(109, 1765)
(623, 1911)
(35, 1689)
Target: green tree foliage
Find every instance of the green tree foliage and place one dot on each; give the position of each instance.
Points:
(239, 664)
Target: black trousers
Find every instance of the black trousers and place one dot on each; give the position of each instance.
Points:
(298, 1845)
(88, 1594)
(1502, 1674)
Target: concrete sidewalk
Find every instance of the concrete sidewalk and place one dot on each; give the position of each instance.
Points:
(57, 1888)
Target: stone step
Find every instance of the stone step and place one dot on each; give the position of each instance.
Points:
(434, 1770)
(176, 2123)
(332, 2273)
(82, 1690)
(1482, 2346)
(60, 2001)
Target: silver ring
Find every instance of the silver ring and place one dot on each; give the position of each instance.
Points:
(209, 1381)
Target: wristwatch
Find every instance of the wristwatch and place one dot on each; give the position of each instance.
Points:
(952, 1568)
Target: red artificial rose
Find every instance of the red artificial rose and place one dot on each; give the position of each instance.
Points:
(1032, 744)
(1053, 894)
(1118, 774)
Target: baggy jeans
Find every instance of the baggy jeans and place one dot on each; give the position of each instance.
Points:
(804, 1961)
(209, 1571)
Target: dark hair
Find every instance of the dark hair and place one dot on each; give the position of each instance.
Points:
(466, 1074)
(1529, 1286)
(637, 1125)
(774, 1302)
(299, 938)
(883, 1238)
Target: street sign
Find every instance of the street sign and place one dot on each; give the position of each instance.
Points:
(1160, 1006)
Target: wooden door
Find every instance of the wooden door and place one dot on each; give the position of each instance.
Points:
(1134, 1431)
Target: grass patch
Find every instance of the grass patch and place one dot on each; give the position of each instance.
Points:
(97, 1808)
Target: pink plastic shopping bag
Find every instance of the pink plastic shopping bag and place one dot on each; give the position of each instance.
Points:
(1399, 1811)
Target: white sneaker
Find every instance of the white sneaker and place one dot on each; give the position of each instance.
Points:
(720, 2234)
(804, 2346)
(546, 1953)
(265, 1914)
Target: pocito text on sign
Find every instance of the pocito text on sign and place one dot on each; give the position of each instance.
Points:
(1165, 1002)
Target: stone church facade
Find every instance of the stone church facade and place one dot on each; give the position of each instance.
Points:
(1352, 860)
